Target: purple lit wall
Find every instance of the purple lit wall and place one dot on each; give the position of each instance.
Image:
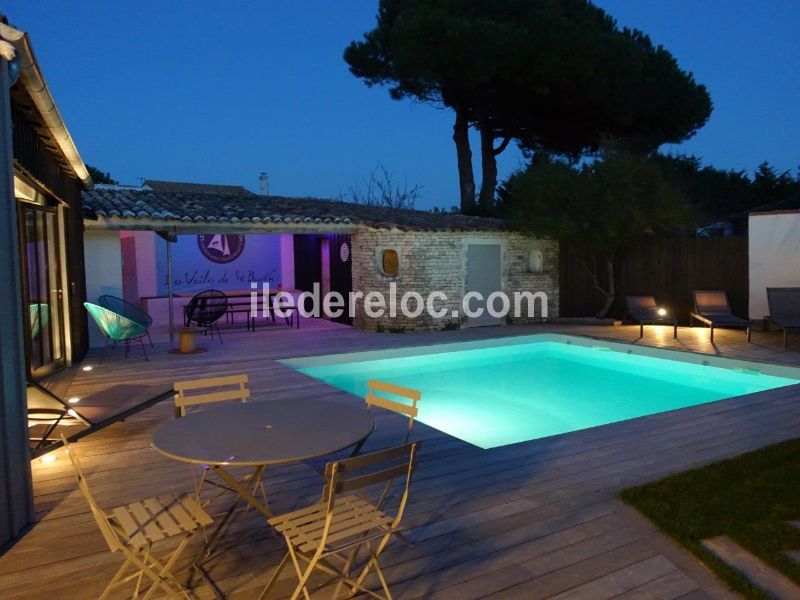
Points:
(223, 262)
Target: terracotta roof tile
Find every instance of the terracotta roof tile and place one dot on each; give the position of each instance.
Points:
(203, 207)
(196, 188)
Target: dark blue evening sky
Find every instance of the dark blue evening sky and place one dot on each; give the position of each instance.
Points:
(218, 91)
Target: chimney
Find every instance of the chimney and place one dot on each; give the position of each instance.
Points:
(263, 184)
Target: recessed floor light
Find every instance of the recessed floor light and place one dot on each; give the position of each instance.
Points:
(86, 368)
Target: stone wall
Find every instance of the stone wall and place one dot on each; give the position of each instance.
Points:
(436, 261)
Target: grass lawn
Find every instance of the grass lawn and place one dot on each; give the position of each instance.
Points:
(748, 498)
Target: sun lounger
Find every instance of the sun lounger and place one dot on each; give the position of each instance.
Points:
(711, 308)
(784, 309)
(645, 311)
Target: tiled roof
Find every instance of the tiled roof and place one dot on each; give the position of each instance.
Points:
(196, 188)
(137, 206)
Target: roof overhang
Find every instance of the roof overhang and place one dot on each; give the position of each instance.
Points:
(33, 80)
(193, 228)
(309, 226)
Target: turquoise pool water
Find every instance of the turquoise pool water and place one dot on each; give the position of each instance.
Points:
(500, 395)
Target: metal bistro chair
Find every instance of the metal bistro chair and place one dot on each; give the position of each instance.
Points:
(373, 399)
(208, 391)
(127, 309)
(410, 410)
(117, 327)
(135, 528)
(205, 309)
(329, 535)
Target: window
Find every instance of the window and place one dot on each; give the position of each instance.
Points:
(535, 262)
(388, 262)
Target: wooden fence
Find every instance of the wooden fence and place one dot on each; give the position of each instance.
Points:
(667, 268)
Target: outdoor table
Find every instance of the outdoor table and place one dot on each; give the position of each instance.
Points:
(258, 435)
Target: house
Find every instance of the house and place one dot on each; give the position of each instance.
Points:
(43, 324)
(299, 242)
(773, 255)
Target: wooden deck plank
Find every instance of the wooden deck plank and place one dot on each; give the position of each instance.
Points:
(538, 515)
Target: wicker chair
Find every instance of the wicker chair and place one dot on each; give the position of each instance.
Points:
(127, 309)
(117, 328)
(205, 309)
(40, 318)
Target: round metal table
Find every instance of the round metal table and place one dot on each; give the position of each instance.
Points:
(263, 433)
(258, 435)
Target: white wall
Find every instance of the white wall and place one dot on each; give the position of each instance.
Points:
(774, 256)
(103, 272)
(287, 261)
(146, 260)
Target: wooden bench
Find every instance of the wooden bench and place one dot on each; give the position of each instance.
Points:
(293, 319)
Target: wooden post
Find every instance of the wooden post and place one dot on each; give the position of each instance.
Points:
(16, 492)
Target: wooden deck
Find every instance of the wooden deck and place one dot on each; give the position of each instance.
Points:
(538, 519)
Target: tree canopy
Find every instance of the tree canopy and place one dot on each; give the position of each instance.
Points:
(727, 194)
(598, 210)
(99, 176)
(554, 75)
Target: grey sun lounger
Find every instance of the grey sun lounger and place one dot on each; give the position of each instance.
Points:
(784, 309)
(711, 308)
(644, 310)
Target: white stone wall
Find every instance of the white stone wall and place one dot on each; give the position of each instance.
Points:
(103, 273)
(436, 261)
(774, 256)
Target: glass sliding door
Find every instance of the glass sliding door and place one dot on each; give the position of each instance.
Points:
(42, 289)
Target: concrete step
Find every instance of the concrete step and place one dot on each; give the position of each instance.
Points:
(756, 571)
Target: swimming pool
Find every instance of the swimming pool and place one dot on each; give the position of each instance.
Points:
(502, 391)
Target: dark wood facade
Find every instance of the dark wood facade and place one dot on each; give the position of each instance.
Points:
(667, 268)
(341, 269)
(38, 160)
(309, 268)
(16, 494)
(49, 194)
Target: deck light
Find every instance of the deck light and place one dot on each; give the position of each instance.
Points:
(74, 400)
(48, 458)
(86, 368)
(662, 312)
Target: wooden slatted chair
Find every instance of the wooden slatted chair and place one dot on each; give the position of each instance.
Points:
(373, 398)
(212, 390)
(134, 528)
(329, 535)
